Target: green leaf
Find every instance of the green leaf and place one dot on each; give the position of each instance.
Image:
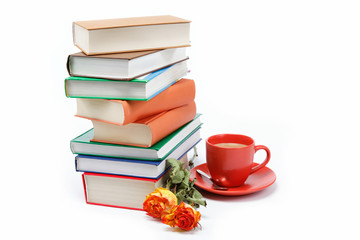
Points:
(178, 177)
(175, 164)
(177, 173)
(186, 177)
(181, 194)
(184, 189)
(196, 201)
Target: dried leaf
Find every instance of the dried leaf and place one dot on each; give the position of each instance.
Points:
(184, 189)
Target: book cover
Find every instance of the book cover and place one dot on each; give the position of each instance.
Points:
(130, 22)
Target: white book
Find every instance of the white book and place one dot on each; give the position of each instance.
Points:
(123, 66)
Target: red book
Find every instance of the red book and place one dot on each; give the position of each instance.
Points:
(119, 191)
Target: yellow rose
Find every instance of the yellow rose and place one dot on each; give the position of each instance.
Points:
(158, 201)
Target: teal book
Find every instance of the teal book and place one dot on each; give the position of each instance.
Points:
(142, 89)
(161, 150)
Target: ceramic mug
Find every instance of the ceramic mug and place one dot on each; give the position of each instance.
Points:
(229, 158)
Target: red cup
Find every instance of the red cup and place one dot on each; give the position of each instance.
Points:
(230, 166)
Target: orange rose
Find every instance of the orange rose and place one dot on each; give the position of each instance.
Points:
(184, 216)
(168, 216)
(158, 201)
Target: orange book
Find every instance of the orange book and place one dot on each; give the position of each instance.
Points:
(145, 132)
(124, 112)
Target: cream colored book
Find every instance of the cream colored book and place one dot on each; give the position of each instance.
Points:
(131, 34)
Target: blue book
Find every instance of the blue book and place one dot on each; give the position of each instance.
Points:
(142, 89)
(132, 167)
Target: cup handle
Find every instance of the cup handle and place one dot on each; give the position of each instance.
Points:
(258, 167)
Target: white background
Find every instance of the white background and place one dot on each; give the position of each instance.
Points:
(283, 72)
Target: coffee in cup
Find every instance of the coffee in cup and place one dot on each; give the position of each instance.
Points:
(230, 145)
(229, 158)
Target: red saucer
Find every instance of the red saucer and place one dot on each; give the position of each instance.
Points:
(257, 181)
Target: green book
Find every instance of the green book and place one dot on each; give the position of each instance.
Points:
(143, 88)
(178, 141)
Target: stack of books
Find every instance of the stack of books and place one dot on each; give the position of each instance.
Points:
(128, 81)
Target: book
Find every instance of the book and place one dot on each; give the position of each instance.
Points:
(143, 88)
(123, 66)
(124, 112)
(159, 151)
(119, 191)
(147, 131)
(130, 34)
(131, 167)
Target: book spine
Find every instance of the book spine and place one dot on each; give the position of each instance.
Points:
(68, 65)
(65, 87)
(84, 185)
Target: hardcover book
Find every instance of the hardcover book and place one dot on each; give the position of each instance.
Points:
(131, 167)
(123, 66)
(147, 131)
(124, 112)
(159, 151)
(143, 88)
(119, 191)
(131, 34)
